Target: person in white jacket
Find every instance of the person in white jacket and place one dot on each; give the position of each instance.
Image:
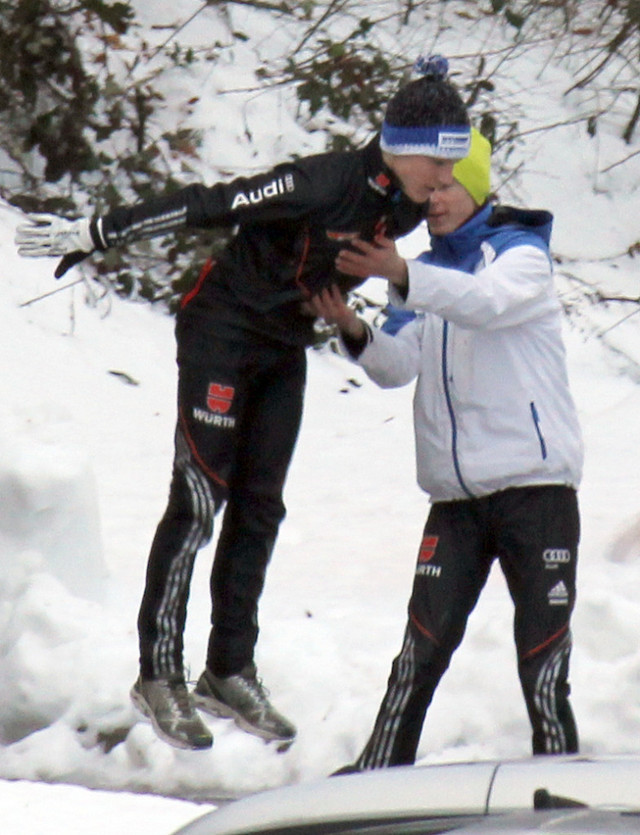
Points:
(498, 446)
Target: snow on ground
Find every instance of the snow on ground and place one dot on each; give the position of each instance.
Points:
(86, 423)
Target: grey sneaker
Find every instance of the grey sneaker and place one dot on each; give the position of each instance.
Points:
(243, 698)
(167, 703)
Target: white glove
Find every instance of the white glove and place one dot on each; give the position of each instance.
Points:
(53, 235)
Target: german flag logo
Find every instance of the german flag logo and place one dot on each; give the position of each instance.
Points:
(427, 548)
(220, 398)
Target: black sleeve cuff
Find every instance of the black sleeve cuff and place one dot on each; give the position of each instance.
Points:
(355, 346)
(96, 236)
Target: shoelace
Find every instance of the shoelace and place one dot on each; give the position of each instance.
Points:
(254, 687)
(181, 697)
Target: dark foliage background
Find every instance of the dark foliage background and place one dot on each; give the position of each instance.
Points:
(80, 90)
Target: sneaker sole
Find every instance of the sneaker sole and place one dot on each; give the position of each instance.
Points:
(140, 703)
(209, 704)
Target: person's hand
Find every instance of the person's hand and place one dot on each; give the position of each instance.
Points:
(44, 234)
(379, 258)
(330, 306)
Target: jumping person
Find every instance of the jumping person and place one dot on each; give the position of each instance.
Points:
(498, 446)
(241, 337)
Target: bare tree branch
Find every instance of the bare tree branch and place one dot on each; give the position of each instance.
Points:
(620, 162)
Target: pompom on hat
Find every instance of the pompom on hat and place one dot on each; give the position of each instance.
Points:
(427, 116)
(474, 171)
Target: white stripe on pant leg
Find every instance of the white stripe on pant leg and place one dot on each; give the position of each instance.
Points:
(378, 750)
(401, 695)
(166, 620)
(178, 579)
(545, 698)
(179, 574)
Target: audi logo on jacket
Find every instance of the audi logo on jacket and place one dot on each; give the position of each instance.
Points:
(289, 224)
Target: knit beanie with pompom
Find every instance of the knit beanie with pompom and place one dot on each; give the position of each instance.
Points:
(427, 116)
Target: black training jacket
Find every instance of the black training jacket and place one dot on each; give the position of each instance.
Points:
(289, 224)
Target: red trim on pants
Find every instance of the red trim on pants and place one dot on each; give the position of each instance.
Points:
(421, 628)
(205, 469)
(545, 644)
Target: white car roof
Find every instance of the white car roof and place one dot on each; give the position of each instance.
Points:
(612, 782)
(456, 788)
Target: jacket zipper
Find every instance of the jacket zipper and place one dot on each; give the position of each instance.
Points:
(452, 417)
(536, 423)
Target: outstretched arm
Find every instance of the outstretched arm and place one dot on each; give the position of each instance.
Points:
(285, 192)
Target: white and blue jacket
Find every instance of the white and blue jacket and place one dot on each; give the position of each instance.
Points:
(492, 406)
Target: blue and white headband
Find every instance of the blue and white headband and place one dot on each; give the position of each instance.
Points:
(444, 141)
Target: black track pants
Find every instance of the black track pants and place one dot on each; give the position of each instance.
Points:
(239, 409)
(534, 532)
